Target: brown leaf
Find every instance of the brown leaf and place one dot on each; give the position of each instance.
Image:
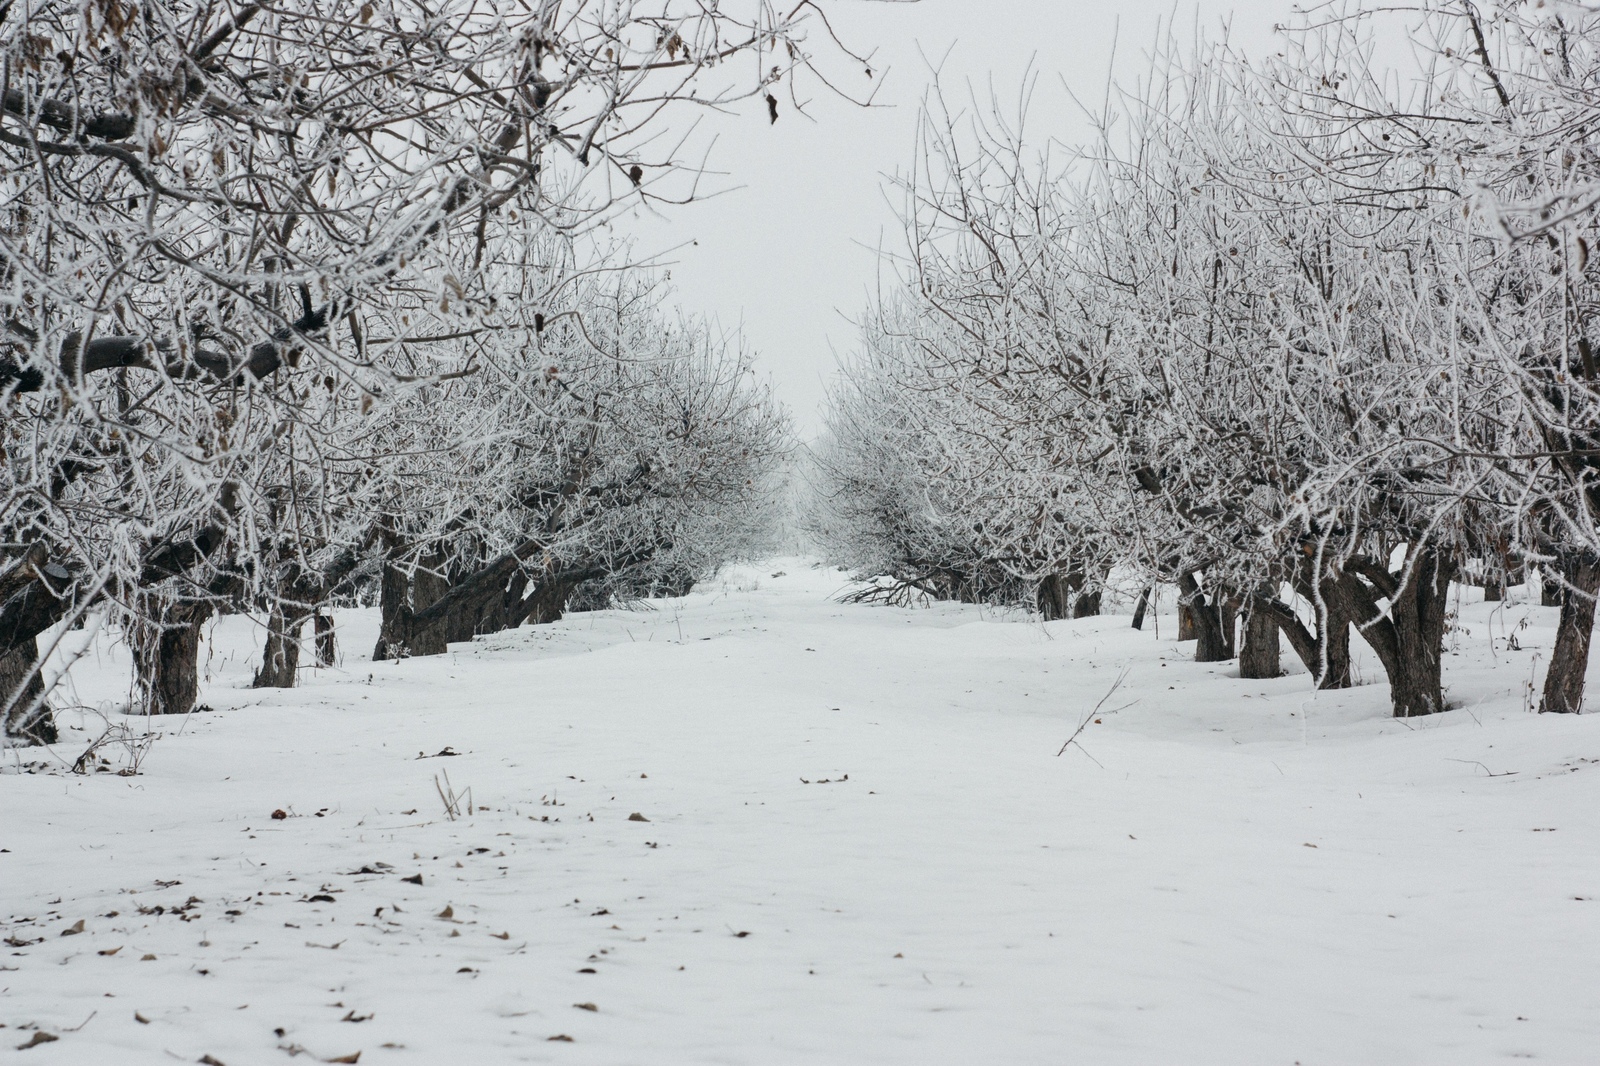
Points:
(209, 1060)
(40, 1037)
(279, 815)
(414, 879)
(448, 912)
(148, 958)
(586, 1006)
(112, 951)
(563, 1037)
(354, 1056)
(74, 930)
(637, 817)
(141, 1019)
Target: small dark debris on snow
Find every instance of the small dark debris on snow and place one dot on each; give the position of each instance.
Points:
(443, 753)
(586, 1006)
(210, 1060)
(41, 1037)
(637, 817)
(414, 879)
(563, 1037)
(742, 933)
(279, 815)
(588, 969)
(321, 897)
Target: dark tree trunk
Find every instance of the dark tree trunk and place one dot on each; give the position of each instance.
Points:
(327, 640)
(27, 716)
(1325, 652)
(549, 601)
(167, 661)
(1494, 586)
(1410, 640)
(280, 658)
(394, 610)
(1260, 655)
(1550, 590)
(1087, 605)
(1213, 619)
(1140, 607)
(1052, 597)
(1569, 659)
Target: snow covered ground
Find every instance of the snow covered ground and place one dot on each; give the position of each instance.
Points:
(859, 845)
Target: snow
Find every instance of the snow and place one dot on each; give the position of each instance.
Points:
(861, 847)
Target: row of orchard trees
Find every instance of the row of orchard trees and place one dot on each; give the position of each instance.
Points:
(1307, 338)
(302, 298)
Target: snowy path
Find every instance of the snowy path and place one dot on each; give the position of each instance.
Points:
(1240, 874)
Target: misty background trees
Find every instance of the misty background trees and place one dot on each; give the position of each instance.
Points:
(315, 302)
(1305, 336)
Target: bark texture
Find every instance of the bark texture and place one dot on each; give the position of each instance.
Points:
(166, 660)
(280, 657)
(1569, 659)
(27, 716)
(1260, 655)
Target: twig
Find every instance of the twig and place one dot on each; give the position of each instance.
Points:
(1073, 739)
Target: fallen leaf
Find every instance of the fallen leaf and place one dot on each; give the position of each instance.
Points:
(74, 930)
(208, 1060)
(447, 913)
(1308, 845)
(414, 879)
(501, 936)
(637, 817)
(141, 1019)
(588, 969)
(563, 1037)
(41, 1037)
(742, 932)
(111, 951)
(321, 898)
(354, 1056)
(148, 958)
(279, 815)
(586, 1006)
(466, 969)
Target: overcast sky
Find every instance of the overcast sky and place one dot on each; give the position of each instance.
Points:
(789, 251)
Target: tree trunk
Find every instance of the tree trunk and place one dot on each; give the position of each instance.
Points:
(550, 601)
(1087, 605)
(1212, 618)
(1051, 597)
(28, 719)
(1140, 607)
(1569, 659)
(280, 658)
(1260, 656)
(1550, 590)
(1410, 639)
(327, 641)
(167, 660)
(1186, 624)
(1326, 651)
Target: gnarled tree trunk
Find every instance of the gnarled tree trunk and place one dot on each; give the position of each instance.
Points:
(1569, 659)
(1410, 639)
(26, 715)
(1260, 657)
(1213, 619)
(280, 657)
(166, 660)
(1052, 597)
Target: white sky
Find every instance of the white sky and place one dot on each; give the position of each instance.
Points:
(788, 250)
